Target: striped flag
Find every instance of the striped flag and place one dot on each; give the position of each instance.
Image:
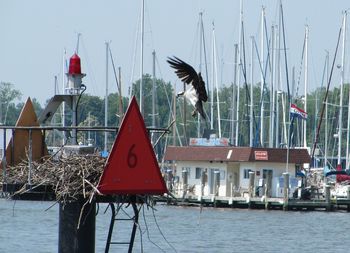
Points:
(297, 112)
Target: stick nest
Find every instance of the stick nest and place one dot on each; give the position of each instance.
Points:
(70, 177)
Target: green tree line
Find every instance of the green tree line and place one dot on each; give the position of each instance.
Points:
(91, 113)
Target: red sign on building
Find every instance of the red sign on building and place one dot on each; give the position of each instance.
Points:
(261, 155)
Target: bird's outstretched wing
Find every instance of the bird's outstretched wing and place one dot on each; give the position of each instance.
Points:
(188, 75)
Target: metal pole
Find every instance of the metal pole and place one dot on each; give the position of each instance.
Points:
(74, 119)
(251, 137)
(111, 226)
(326, 117)
(64, 92)
(30, 157)
(262, 133)
(277, 144)
(341, 92)
(215, 72)
(12, 154)
(154, 90)
(136, 222)
(272, 91)
(4, 172)
(174, 126)
(201, 43)
(121, 112)
(234, 95)
(305, 83)
(141, 61)
(153, 137)
(238, 73)
(106, 99)
(212, 85)
(185, 119)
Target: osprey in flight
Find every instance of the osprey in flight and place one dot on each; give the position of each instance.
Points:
(197, 93)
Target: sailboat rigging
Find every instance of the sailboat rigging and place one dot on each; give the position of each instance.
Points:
(325, 98)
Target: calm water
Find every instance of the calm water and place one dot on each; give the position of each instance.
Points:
(26, 227)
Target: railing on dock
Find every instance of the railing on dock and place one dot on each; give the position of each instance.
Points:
(8, 133)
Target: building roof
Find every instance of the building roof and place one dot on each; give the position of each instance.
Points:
(236, 154)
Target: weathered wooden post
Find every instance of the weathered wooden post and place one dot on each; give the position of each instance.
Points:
(203, 182)
(328, 197)
(3, 162)
(251, 184)
(268, 186)
(285, 190)
(217, 182)
(77, 234)
(251, 187)
(184, 182)
(267, 192)
(348, 196)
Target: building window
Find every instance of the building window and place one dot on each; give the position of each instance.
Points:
(297, 169)
(246, 173)
(222, 175)
(188, 170)
(198, 173)
(266, 173)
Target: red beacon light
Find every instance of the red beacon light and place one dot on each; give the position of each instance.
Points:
(74, 65)
(74, 76)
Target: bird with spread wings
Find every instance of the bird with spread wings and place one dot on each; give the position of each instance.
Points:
(197, 93)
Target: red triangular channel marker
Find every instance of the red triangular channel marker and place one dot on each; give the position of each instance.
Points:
(132, 167)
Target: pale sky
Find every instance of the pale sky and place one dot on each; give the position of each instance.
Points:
(34, 35)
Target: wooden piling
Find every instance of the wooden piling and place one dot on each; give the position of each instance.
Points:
(348, 196)
(251, 187)
(184, 183)
(285, 191)
(328, 197)
(72, 239)
(251, 184)
(267, 193)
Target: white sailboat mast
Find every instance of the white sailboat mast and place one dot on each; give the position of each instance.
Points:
(305, 82)
(278, 86)
(233, 122)
(64, 69)
(106, 100)
(141, 61)
(272, 90)
(215, 72)
(201, 42)
(341, 91)
(251, 137)
(262, 78)
(154, 89)
(326, 116)
(239, 70)
(153, 96)
(348, 129)
(212, 84)
(280, 34)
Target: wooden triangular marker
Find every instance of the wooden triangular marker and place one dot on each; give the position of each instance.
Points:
(16, 153)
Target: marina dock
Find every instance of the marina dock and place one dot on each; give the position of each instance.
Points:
(342, 204)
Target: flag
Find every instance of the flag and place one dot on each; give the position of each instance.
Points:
(297, 112)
